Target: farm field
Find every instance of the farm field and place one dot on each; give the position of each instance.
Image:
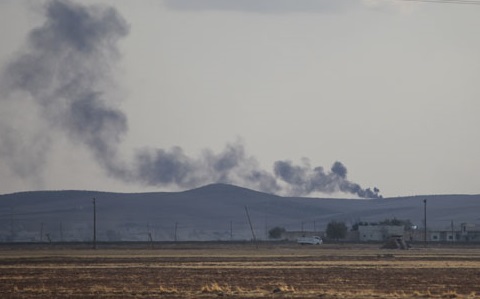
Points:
(210, 270)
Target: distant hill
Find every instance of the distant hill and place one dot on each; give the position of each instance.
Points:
(213, 212)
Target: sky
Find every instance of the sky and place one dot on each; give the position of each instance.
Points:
(306, 97)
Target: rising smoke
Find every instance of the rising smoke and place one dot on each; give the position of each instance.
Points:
(66, 69)
(303, 180)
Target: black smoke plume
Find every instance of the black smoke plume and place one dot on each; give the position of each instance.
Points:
(161, 167)
(67, 70)
(304, 180)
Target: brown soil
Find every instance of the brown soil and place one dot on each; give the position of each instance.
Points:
(240, 271)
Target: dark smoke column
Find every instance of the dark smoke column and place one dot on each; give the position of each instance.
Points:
(303, 180)
(66, 68)
(67, 72)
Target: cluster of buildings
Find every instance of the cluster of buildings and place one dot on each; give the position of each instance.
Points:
(381, 233)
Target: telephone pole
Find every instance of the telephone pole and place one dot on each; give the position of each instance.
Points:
(12, 230)
(94, 225)
(61, 232)
(175, 235)
(251, 227)
(425, 221)
(41, 232)
(453, 232)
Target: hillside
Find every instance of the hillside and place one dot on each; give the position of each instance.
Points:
(213, 212)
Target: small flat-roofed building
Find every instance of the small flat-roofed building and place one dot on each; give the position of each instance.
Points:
(379, 232)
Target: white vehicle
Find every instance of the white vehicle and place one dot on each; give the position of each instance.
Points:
(315, 240)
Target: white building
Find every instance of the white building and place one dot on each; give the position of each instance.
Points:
(379, 232)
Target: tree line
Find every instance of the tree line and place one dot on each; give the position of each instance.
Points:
(337, 230)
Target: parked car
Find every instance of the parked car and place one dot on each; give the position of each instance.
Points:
(315, 240)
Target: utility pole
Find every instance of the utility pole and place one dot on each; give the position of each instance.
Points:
(231, 230)
(266, 228)
(425, 221)
(176, 227)
(150, 238)
(149, 233)
(41, 232)
(61, 232)
(12, 222)
(453, 233)
(251, 226)
(94, 225)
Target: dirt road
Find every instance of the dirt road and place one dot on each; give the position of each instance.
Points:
(240, 271)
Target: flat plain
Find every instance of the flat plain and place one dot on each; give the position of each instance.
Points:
(239, 270)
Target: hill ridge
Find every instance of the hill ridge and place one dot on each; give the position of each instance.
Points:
(207, 213)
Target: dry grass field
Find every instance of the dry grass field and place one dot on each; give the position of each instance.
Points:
(240, 271)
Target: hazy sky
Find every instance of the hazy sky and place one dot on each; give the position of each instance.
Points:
(388, 88)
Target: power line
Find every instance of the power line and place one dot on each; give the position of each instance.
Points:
(468, 2)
